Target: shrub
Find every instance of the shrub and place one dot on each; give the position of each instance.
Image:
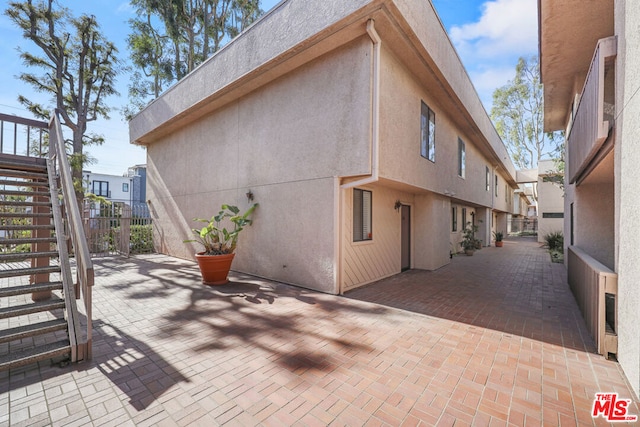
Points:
(141, 239)
(555, 241)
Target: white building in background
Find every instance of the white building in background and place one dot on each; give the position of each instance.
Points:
(550, 200)
(111, 187)
(129, 189)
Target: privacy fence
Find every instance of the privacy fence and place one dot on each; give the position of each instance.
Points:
(117, 228)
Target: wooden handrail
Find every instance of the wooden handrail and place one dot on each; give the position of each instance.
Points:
(85, 272)
(73, 320)
(23, 121)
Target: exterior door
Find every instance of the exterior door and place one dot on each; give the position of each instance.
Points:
(406, 237)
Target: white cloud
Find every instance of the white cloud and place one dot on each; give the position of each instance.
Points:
(490, 47)
(505, 27)
(125, 7)
(487, 80)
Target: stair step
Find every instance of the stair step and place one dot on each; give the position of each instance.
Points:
(21, 256)
(22, 204)
(24, 174)
(32, 330)
(29, 271)
(25, 215)
(27, 289)
(23, 163)
(27, 227)
(25, 193)
(33, 355)
(36, 307)
(15, 183)
(23, 240)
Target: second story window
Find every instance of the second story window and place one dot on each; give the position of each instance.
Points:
(100, 188)
(496, 177)
(428, 133)
(488, 179)
(125, 187)
(461, 158)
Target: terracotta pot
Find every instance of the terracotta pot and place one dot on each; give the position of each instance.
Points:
(214, 268)
(469, 252)
(499, 244)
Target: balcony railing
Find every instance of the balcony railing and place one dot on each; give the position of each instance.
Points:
(595, 288)
(594, 115)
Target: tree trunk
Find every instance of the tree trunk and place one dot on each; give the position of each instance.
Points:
(76, 165)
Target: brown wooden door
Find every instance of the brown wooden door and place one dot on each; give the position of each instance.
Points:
(406, 237)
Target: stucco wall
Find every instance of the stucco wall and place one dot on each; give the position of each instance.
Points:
(428, 29)
(286, 142)
(401, 97)
(594, 221)
(550, 200)
(267, 39)
(432, 221)
(627, 16)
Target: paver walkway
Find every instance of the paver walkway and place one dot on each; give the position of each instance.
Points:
(493, 339)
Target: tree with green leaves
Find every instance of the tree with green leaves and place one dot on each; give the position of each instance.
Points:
(518, 116)
(170, 38)
(78, 65)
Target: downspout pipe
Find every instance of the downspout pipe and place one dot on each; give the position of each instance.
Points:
(375, 120)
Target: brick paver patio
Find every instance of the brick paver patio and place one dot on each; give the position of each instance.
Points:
(493, 339)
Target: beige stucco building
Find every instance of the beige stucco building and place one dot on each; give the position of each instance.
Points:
(357, 130)
(590, 57)
(550, 200)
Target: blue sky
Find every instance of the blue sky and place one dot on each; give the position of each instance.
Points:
(489, 36)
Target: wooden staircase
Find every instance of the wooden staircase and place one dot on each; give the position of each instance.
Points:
(39, 316)
(33, 325)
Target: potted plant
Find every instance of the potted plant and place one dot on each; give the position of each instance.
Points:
(469, 242)
(219, 242)
(498, 235)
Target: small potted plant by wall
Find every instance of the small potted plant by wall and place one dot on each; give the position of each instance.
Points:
(469, 242)
(498, 235)
(219, 242)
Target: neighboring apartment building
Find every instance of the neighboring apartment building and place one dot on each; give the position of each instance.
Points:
(356, 128)
(590, 57)
(129, 189)
(550, 200)
(111, 187)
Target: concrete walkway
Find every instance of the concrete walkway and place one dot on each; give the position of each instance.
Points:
(493, 339)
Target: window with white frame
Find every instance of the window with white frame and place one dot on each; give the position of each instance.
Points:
(125, 187)
(428, 133)
(362, 215)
